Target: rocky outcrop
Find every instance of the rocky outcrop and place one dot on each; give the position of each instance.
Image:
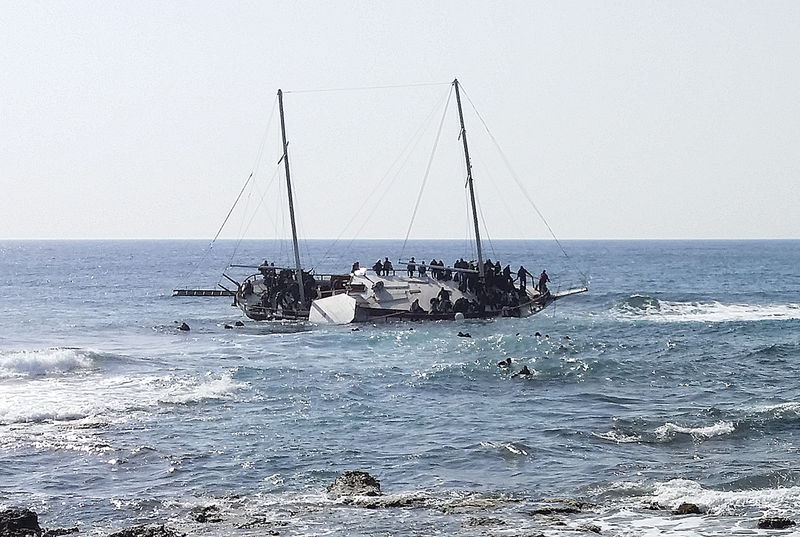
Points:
(355, 483)
(58, 532)
(17, 522)
(687, 509)
(147, 531)
(775, 523)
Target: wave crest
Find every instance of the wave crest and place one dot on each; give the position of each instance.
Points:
(36, 363)
(653, 309)
(670, 430)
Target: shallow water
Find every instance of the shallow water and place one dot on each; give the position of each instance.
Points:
(673, 380)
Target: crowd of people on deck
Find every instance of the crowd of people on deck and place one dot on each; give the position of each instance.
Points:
(499, 289)
(281, 289)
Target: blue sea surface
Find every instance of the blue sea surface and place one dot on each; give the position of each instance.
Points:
(673, 380)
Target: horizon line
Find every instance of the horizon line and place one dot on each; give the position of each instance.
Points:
(397, 239)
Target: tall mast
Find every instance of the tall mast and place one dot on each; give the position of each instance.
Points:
(469, 181)
(299, 270)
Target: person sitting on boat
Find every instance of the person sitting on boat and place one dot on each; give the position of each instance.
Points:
(445, 306)
(434, 305)
(378, 267)
(356, 267)
(416, 308)
(461, 305)
(411, 267)
(543, 279)
(387, 266)
(444, 294)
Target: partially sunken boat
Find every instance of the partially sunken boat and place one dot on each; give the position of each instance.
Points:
(478, 291)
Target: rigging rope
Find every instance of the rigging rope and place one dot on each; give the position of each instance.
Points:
(367, 88)
(427, 172)
(522, 188)
(406, 151)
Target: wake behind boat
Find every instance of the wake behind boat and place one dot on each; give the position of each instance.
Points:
(475, 289)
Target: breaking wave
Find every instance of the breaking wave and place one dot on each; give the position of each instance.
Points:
(653, 309)
(670, 430)
(673, 493)
(35, 363)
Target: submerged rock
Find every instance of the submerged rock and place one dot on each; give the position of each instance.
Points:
(594, 528)
(147, 531)
(484, 521)
(355, 483)
(239, 323)
(775, 523)
(228, 327)
(184, 327)
(16, 522)
(687, 509)
(464, 334)
(207, 513)
(57, 532)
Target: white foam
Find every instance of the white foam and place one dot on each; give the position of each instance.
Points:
(711, 312)
(671, 429)
(673, 493)
(510, 447)
(105, 399)
(618, 437)
(32, 363)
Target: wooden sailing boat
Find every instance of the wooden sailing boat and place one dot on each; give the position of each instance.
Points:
(368, 296)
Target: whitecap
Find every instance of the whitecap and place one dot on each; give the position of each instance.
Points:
(669, 430)
(708, 311)
(618, 437)
(40, 362)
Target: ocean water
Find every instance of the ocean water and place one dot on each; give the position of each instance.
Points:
(673, 380)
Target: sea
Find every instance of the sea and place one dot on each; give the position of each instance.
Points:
(673, 380)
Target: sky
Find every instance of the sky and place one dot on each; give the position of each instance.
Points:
(619, 119)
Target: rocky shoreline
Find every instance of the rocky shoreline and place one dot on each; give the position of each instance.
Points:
(358, 489)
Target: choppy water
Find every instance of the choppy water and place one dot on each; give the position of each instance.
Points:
(673, 380)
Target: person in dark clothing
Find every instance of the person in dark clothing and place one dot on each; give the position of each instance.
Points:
(522, 276)
(378, 267)
(356, 266)
(422, 269)
(387, 266)
(411, 267)
(416, 308)
(543, 280)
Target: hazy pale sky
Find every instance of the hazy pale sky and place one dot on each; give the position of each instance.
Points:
(622, 119)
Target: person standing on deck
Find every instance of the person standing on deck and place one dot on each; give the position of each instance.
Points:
(543, 279)
(522, 276)
(411, 267)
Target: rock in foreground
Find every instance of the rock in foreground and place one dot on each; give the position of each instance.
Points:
(147, 531)
(687, 509)
(355, 483)
(775, 523)
(17, 522)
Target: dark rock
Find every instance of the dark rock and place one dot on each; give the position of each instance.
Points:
(16, 522)
(775, 523)
(594, 528)
(228, 327)
(356, 329)
(556, 510)
(147, 531)
(238, 323)
(261, 521)
(184, 327)
(464, 334)
(354, 483)
(207, 513)
(382, 502)
(687, 509)
(653, 506)
(538, 334)
(56, 532)
(484, 521)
